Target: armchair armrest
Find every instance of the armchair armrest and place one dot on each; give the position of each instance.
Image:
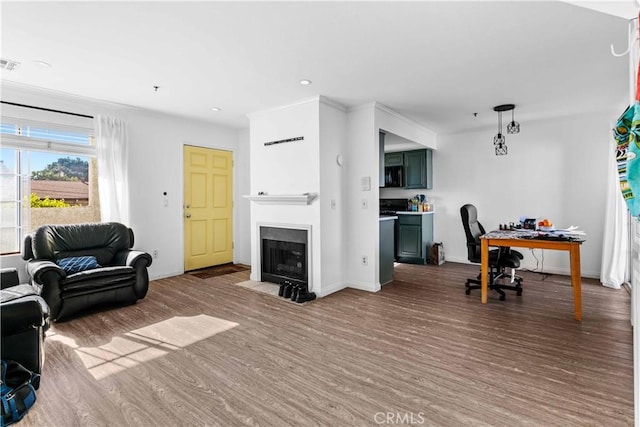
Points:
(132, 258)
(46, 276)
(8, 278)
(139, 261)
(38, 269)
(23, 314)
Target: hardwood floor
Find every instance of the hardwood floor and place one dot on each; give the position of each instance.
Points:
(420, 351)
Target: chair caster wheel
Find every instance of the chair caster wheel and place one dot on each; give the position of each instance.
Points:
(467, 291)
(502, 298)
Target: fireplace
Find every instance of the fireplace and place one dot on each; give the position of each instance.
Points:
(284, 255)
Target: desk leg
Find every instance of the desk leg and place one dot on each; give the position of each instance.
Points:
(484, 267)
(576, 281)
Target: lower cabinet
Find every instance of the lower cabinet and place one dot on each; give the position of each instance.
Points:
(386, 250)
(415, 237)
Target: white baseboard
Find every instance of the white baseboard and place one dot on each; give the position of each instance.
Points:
(165, 275)
(328, 290)
(363, 286)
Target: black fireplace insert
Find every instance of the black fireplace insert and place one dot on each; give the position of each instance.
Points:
(283, 255)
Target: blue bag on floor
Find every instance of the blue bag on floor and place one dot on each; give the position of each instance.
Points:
(17, 392)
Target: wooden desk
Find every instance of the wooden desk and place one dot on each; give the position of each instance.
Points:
(502, 238)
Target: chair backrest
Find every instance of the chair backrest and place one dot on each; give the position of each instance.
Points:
(102, 240)
(473, 230)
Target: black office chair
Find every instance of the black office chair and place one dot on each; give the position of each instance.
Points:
(499, 259)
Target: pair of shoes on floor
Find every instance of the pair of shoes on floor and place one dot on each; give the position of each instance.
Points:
(295, 292)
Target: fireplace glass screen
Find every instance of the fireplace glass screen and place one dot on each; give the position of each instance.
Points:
(283, 255)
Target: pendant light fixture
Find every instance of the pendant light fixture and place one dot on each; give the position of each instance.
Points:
(513, 127)
(499, 141)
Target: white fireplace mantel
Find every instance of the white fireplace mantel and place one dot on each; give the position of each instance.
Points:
(283, 199)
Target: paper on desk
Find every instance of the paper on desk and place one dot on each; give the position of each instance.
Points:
(571, 230)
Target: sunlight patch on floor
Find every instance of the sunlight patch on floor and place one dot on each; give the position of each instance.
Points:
(145, 344)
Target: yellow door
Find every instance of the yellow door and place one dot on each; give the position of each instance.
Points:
(208, 207)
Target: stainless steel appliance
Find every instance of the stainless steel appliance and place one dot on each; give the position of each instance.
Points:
(391, 206)
(393, 176)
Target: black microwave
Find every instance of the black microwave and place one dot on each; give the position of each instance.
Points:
(393, 176)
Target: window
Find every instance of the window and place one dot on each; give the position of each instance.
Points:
(47, 176)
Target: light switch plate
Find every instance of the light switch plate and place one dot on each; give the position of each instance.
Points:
(365, 183)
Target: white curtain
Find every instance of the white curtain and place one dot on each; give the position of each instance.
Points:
(615, 245)
(113, 180)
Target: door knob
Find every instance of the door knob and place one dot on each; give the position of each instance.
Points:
(187, 206)
(188, 215)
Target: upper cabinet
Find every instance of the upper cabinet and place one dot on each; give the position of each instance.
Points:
(416, 165)
(381, 161)
(418, 169)
(394, 159)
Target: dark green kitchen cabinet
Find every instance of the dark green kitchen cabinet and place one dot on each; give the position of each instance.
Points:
(381, 160)
(387, 231)
(415, 237)
(394, 159)
(418, 165)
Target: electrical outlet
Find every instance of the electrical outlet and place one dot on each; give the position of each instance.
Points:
(155, 254)
(364, 260)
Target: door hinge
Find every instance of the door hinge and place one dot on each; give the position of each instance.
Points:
(233, 245)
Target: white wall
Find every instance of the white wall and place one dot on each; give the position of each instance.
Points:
(363, 152)
(155, 161)
(305, 166)
(391, 121)
(361, 161)
(242, 206)
(156, 145)
(286, 168)
(333, 128)
(556, 168)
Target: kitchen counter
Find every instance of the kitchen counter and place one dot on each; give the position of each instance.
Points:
(415, 213)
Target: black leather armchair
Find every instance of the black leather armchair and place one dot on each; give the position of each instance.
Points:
(25, 318)
(120, 275)
(499, 259)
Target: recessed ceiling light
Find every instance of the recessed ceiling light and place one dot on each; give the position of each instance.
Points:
(215, 109)
(305, 82)
(42, 64)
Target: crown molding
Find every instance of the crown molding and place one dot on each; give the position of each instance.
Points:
(314, 99)
(331, 103)
(399, 116)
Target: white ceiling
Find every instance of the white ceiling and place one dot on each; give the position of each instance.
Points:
(435, 62)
